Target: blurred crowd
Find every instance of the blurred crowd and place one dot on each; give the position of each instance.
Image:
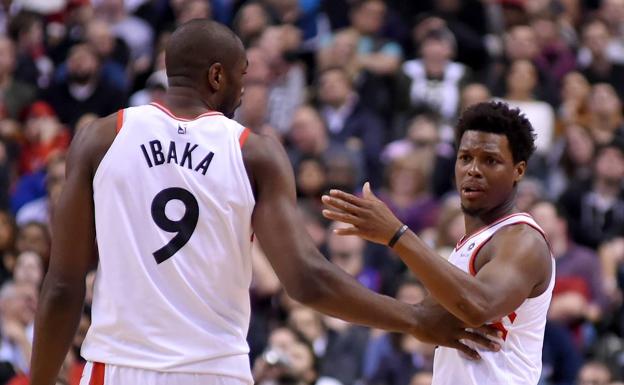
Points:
(356, 90)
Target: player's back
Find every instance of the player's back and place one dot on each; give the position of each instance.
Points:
(173, 207)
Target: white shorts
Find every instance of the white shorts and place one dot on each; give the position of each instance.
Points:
(105, 374)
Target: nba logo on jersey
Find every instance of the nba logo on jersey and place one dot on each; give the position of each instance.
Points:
(181, 129)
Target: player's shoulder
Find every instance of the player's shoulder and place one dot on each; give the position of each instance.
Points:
(91, 142)
(522, 237)
(265, 158)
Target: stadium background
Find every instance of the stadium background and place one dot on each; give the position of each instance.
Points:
(356, 90)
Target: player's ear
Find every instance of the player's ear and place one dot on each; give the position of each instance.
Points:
(519, 171)
(216, 76)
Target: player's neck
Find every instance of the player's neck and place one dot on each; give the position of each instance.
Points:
(185, 102)
(476, 222)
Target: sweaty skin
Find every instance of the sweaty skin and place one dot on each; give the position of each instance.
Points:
(198, 85)
(513, 266)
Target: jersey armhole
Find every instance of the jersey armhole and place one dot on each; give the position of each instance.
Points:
(243, 137)
(120, 120)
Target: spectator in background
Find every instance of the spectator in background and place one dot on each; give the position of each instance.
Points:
(16, 95)
(579, 292)
(193, 9)
(44, 137)
(309, 138)
(594, 373)
(600, 68)
(612, 12)
(555, 58)
(8, 234)
(348, 121)
(574, 107)
(18, 304)
(113, 54)
(28, 270)
(595, 211)
(434, 81)
(522, 81)
(84, 90)
(606, 121)
(137, 34)
(286, 78)
(33, 65)
(35, 237)
(250, 21)
(41, 210)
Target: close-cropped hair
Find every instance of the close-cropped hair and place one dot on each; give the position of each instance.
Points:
(498, 118)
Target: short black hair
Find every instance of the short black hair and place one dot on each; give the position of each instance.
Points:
(498, 118)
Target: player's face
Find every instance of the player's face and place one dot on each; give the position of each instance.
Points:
(485, 172)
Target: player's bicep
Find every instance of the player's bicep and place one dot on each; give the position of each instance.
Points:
(275, 219)
(519, 265)
(73, 227)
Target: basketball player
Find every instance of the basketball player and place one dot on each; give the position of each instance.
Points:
(501, 272)
(171, 193)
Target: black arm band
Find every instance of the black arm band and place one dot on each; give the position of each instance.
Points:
(397, 235)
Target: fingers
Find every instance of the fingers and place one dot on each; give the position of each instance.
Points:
(348, 198)
(481, 340)
(341, 217)
(489, 331)
(367, 192)
(342, 205)
(347, 231)
(466, 350)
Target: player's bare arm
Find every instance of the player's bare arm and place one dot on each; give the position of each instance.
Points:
(513, 266)
(73, 254)
(309, 278)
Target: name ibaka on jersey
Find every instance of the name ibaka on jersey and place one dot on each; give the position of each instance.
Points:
(156, 154)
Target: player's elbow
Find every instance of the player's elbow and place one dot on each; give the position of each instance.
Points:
(473, 312)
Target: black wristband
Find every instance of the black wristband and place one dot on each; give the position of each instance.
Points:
(397, 235)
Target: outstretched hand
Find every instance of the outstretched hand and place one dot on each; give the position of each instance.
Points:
(368, 216)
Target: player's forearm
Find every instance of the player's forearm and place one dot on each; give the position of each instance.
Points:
(336, 293)
(57, 319)
(458, 292)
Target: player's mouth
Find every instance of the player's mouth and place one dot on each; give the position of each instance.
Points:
(472, 191)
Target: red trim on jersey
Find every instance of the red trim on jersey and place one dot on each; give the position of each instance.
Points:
(499, 326)
(97, 374)
(166, 111)
(120, 120)
(512, 316)
(243, 137)
(473, 256)
(465, 239)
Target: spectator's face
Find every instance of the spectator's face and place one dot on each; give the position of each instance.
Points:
(410, 293)
(613, 11)
(610, 165)
(281, 339)
(253, 19)
(596, 38)
(575, 87)
(422, 378)
(594, 375)
(334, 88)
(307, 322)
(546, 216)
(7, 56)
(21, 304)
(520, 43)
(301, 361)
(423, 133)
(100, 37)
(33, 238)
(580, 146)
(436, 51)
(82, 65)
(28, 269)
(258, 70)
(311, 178)
(369, 17)
(522, 77)
(604, 101)
(307, 131)
(473, 94)
(347, 252)
(194, 9)
(253, 109)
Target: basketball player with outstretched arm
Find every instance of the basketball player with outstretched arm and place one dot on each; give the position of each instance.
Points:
(172, 196)
(501, 272)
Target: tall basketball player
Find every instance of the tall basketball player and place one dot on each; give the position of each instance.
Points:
(172, 195)
(501, 272)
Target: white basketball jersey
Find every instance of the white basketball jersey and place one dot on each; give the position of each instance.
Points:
(519, 362)
(173, 207)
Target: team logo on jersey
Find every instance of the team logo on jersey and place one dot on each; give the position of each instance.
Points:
(472, 245)
(181, 129)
